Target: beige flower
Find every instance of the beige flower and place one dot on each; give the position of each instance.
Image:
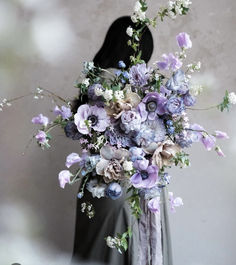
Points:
(110, 166)
(131, 100)
(164, 152)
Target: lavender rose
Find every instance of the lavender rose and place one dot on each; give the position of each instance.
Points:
(139, 75)
(175, 105)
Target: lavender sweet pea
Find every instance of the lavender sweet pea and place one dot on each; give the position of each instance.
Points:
(221, 135)
(208, 141)
(91, 117)
(174, 202)
(146, 176)
(41, 137)
(40, 119)
(169, 62)
(72, 159)
(184, 41)
(154, 205)
(64, 178)
(139, 75)
(152, 104)
(64, 111)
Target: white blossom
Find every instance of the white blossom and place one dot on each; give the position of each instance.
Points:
(129, 31)
(86, 82)
(98, 90)
(119, 95)
(232, 98)
(108, 94)
(196, 90)
(110, 242)
(128, 165)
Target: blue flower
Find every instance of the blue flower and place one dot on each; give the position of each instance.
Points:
(114, 191)
(178, 83)
(121, 64)
(175, 105)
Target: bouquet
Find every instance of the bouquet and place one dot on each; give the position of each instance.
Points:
(133, 124)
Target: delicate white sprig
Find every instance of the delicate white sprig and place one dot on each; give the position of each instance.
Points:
(4, 102)
(232, 98)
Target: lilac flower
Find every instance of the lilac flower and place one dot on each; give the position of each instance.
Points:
(221, 135)
(169, 62)
(152, 104)
(139, 75)
(184, 139)
(64, 111)
(175, 105)
(91, 117)
(136, 153)
(184, 41)
(154, 205)
(41, 137)
(208, 141)
(174, 202)
(165, 91)
(178, 83)
(219, 151)
(189, 100)
(114, 191)
(71, 159)
(130, 121)
(64, 177)
(40, 119)
(146, 176)
(196, 134)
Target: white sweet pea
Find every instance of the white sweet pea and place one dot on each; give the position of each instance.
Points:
(129, 31)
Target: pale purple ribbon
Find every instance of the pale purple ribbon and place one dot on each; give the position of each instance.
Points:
(150, 251)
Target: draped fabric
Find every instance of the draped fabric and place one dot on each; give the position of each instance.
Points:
(149, 245)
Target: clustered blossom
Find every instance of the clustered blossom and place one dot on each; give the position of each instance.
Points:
(232, 98)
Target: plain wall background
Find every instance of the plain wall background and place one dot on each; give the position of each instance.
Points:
(44, 43)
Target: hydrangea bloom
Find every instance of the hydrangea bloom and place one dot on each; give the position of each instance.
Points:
(95, 117)
(146, 176)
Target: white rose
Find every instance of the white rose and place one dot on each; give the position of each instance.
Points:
(129, 31)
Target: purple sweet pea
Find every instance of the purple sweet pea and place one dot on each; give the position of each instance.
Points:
(154, 205)
(178, 83)
(196, 133)
(152, 104)
(219, 151)
(41, 137)
(208, 141)
(146, 176)
(139, 75)
(174, 202)
(183, 40)
(64, 111)
(64, 178)
(40, 119)
(169, 62)
(72, 159)
(221, 135)
(95, 117)
(175, 105)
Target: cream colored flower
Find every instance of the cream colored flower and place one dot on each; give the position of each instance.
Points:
(164, 152)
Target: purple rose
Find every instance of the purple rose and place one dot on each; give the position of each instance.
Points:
(175, 105)
(152, 104)
(146, 176)
(130, 121)
(189, 100)
(154, 205)
(139, 75)
(72, 159)
(91, 117)
(169, 62)
(64, 177)
(40, 119)
(183, 40)
(64, 111)
(178, 83)
(41, 137)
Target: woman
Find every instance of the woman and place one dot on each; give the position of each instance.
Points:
(150, 243)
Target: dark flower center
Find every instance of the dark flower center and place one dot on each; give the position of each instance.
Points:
(93, 119)
(151, 106)
(144, 175)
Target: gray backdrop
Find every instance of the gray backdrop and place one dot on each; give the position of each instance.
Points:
(43, 43)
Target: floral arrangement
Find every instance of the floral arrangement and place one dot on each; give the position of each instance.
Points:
(132, 126)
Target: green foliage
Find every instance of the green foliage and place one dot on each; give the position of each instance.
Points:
(225, 104)
(134, 201)
(181, 159)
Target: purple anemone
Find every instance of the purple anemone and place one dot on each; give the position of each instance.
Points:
(146, 176)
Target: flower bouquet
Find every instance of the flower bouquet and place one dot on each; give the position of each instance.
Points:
(132, 125)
